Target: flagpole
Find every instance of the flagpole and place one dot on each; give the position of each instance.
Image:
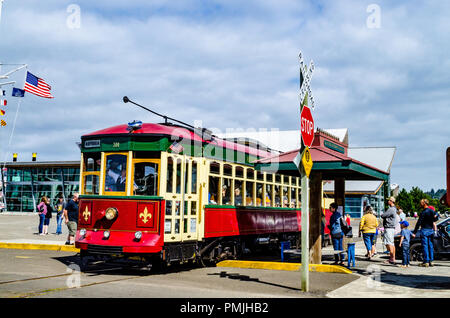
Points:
(12, 132)
(7, 151)
(1, 5)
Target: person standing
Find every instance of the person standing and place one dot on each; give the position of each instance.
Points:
(426, 223)
(389, 218)
(59, 214)
(402, 215)
(48, 216)
(347, 219)
(404, 243)
(397, 227)
(368, 228)
(337, 235)
(71, 218)
(42, 210)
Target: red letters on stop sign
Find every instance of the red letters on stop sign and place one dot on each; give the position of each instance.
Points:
(307, 126)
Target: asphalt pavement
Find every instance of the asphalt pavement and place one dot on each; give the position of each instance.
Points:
(368, 279)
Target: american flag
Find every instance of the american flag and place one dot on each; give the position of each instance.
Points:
(37, 86)
(176, 147)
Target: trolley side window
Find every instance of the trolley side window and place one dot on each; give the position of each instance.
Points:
(116, 168)
(91, 173)
(92, 162)
(145, 178)
(214, 193)
(91, 184)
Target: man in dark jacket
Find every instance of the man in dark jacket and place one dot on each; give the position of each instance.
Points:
(337, 235)
(71, 218)
(427, 228)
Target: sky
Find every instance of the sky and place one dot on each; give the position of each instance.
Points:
(382, 70)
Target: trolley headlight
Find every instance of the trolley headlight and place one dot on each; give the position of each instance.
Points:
(138, 235)
(82, 232)
(106, 234)
(111, 213)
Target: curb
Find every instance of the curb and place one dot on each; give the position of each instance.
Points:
(285, 266)
(48, 247)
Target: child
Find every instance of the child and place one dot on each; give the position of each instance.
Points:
(404, 243)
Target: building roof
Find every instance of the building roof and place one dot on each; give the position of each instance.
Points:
(282, 140)
(329, 156)
(22, 164)
(355, 187)
(379, 157)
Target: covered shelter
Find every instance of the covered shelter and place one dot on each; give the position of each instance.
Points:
(331, 161)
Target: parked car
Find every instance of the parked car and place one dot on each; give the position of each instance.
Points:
(441, 243)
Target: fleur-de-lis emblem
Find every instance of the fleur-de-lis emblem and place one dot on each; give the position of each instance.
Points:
(145, 215)
(86, 214)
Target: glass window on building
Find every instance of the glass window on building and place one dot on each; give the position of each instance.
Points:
(25, 186)
(14, 175)
(353, 206)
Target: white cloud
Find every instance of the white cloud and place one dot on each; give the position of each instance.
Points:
(234, 64)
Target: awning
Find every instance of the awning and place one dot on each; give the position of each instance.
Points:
(332, 164)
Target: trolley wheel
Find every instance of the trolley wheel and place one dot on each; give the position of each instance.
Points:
(157, 264)
(83, 262)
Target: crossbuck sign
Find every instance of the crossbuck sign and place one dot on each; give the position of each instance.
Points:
(307, 130)
(305, 79)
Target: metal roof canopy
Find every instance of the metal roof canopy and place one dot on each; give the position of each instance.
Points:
(39, 164)
(329, 156)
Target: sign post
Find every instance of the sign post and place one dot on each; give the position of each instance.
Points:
(307, 136)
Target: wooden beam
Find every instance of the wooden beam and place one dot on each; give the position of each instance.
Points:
(315, 217)
(339, 191)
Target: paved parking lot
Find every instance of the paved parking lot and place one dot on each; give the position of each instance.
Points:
(28, 273)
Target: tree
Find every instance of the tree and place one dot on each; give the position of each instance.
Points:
(404, 201)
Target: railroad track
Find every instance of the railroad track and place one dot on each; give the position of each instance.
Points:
(69, 284)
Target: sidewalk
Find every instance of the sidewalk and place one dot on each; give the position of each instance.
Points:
(21, 231)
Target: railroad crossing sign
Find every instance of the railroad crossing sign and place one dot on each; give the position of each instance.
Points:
(307, 133)
(307, 126)
(305, 79)
(307, 161)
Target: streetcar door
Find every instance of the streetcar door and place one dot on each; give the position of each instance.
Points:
(190, 199)
(180, 190)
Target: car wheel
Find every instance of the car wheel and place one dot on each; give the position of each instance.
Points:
(416, 252)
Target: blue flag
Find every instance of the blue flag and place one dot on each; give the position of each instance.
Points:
(17, 92)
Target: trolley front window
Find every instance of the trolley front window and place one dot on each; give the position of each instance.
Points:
(116, 172)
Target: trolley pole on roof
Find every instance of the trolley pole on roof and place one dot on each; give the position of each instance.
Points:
(305, 165)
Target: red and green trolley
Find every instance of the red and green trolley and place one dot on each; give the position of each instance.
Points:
(168, 193)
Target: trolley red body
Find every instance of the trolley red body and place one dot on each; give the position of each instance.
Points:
(177, 220)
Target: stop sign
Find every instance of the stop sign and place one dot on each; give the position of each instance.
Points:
(307, 126)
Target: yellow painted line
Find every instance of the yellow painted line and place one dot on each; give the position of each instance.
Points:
(48, 247)
(285, 266)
